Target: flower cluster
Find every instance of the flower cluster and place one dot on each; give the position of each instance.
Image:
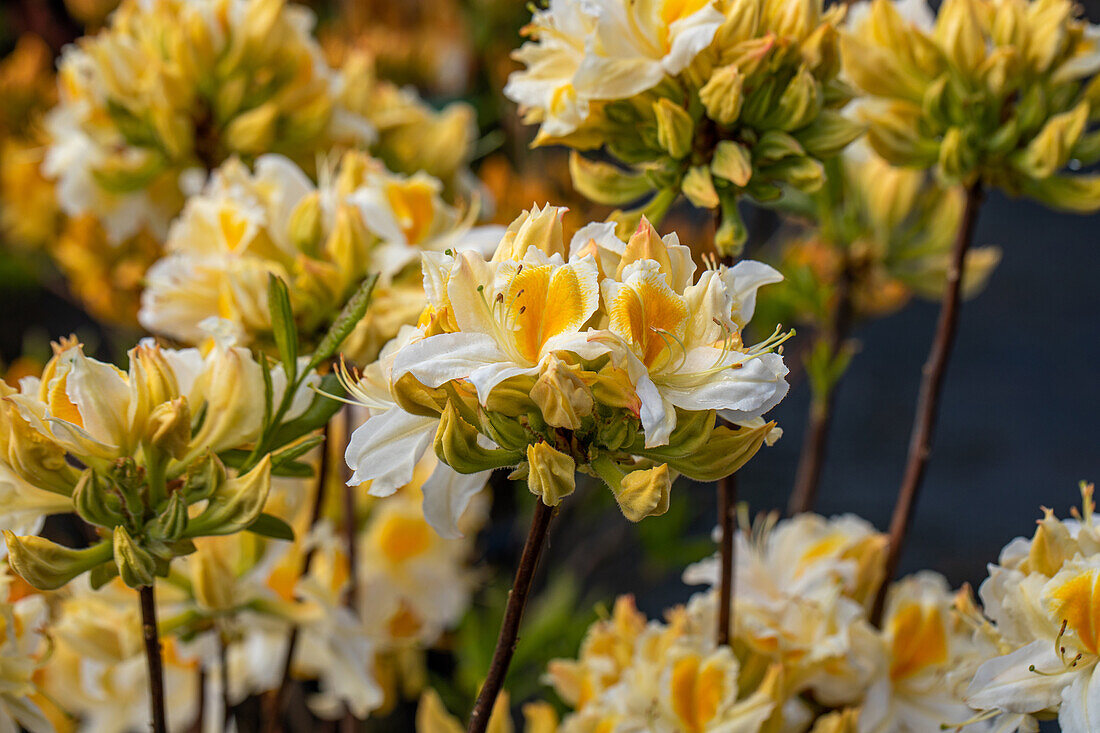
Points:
(135, 454)
(607, 357)
(23, 648)
(1040, 638)
(170, 89)
(804, 655)
(887, 230)
(1003, 90)
(714, 98)
(322, 240)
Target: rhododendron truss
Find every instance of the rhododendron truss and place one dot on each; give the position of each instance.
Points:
(612, 361)
(130, 452)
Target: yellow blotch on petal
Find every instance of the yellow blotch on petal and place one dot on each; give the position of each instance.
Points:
(403, 538)
(697, 692)
(412, 204)
(919, 635)
(1077, 602)
(649, 315)
(543, 302)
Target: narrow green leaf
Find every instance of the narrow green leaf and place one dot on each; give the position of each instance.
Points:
(353, 312)
(282, 325)
(288, 454)
(319, 412)
(267, 525)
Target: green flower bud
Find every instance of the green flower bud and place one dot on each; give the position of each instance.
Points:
(675, 128)
(731, 235)
(203, 478)
(829, 134)
(253, 132)
(698, 186)
(507, 432)
(456, 445)
(171, 523)
(721, 95)
(136, 566)
(235, 505)
(799, 104)
(551, 474)
(95, 502)
(733, 162)
(47, 565)
(306, 226)
(1050, 150)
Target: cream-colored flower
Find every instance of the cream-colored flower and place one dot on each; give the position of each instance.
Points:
(172, 88)
(23, 648)
(322, 240)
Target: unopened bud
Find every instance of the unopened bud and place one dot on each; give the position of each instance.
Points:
(562, 395)
(675, 128)
(551, 474)
(722, 96)
(47, 565)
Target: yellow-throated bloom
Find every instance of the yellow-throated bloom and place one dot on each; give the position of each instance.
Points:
(1043, 600)
(679, 338)
(634, 675)
(585, 52)
(322, 240)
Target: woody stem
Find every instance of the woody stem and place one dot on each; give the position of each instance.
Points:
(920, 444)
(513, 614)
(153, 658)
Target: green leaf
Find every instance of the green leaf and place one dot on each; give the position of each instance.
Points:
(267, 525)
(316, 416)
(269, 390)
(282, 326)
(353, 312)
(288, 454)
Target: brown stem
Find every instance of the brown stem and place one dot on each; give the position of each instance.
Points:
(811, 461)
(513, 614)
(727, 520)
(920, 444)
(277, 703)
(153, 658)
(351, 532)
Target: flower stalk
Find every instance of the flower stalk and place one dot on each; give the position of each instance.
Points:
(928, 402)
(153, 658)
(811, 460)
(727, 520)
(513, 615)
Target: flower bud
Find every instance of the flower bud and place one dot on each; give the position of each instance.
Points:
(171, 523)
(456, 444)
(959, 31)
(539, 228)
(152, 381)
(722, 96)
(94, 501)
(416, 399)
(47, 565)
(169, 427)
(613, 388)
(136, 565)
(675, 128)
(732, 162)
(204, 477)
(253, 132)
(644, 493)
(1050, 149)
(349, 244)
(236, 504)
(512, 397)
(34, 457)
(699, 188)
(725, 452)
(562, 395)
(306, 227)
(551, 474)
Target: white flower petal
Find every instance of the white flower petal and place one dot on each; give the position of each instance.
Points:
(384, 450)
